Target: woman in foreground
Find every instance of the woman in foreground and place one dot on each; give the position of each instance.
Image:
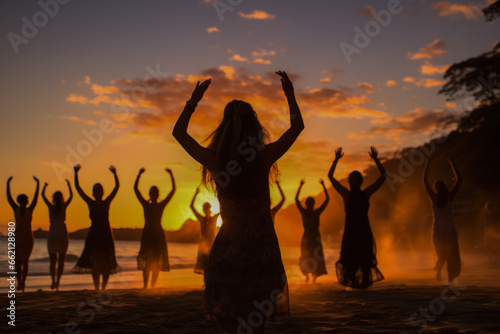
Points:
(57, 242)
(98, 256)
(444, 235)
(153, 255)
(245, 282)
(357, 266)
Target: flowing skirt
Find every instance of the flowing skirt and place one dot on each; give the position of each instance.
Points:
(245, 279)
(447, 250)
(312, 259)
(154, 252)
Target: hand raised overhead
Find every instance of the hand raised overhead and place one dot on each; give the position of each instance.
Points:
(373, 153)
(77, 167)
(112, 169)
(338, 154)
(199, 90)
(286, 83)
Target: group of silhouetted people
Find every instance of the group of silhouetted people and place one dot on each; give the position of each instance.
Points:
(242, 264)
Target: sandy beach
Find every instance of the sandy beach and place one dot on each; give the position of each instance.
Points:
(396, 305)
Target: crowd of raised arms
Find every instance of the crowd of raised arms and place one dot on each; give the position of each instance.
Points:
(241, 262)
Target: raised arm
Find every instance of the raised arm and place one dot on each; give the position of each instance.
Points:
(196, 213)
(428, 187)
(201, 154)
(35, 196)
(371, 189)
(117, 185)
(11, 201)
(458, 178)
(171, 193)
(297, 201)
(280, 204)
(278, 148)
(343, 191)
(70, 198)
(136, 187)
(80, 191)
(45, 199)
(327, 198)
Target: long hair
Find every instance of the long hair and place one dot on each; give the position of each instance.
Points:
(57, 200)
(239, 125)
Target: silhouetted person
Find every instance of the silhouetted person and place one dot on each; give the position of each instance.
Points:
(57, 242)
(278, 206)
(23, 215)
(312, 259)
(153, 255)
(491, 230)
(98, 256)
(445, 235)
(244, 267)
(357, 266)
(208, 224)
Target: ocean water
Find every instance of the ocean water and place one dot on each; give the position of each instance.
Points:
(182, 259)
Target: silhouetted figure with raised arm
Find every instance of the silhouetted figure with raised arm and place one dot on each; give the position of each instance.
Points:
(57, 242)
(245, 273)
(23, 215)
(153, 255)
(444, 235)
(98, 256)
(312, 259)
(208, 224)
(278, 206)
(357, 266)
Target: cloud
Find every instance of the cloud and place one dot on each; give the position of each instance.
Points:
(262, 52)
(237, 57)
(367, 87)
(262, 61)
(152, 112)
(429, 51)
(257, 15)
(212, 29)
(326, 79)
(417, 121)
(428, 83)
(78, 119)
(366, 11)
(391, 83)
(428, 69)
(471, 11)
(409, 79)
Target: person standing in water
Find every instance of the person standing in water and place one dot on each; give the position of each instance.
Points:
(278, 206)
(23, 214)
(208, 226)
(244, 266)
(491, 231)
(57, 242)
(312, 259)
(357, 266)
(98, 256)
(153, 255)
(444, 236)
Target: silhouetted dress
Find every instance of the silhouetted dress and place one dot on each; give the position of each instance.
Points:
(245, 267)
(208, 227)
(57, 241)
(154, 251)
(24, 234)
(99, 244)
(357, 266)
(445, 239)
(312, 259)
